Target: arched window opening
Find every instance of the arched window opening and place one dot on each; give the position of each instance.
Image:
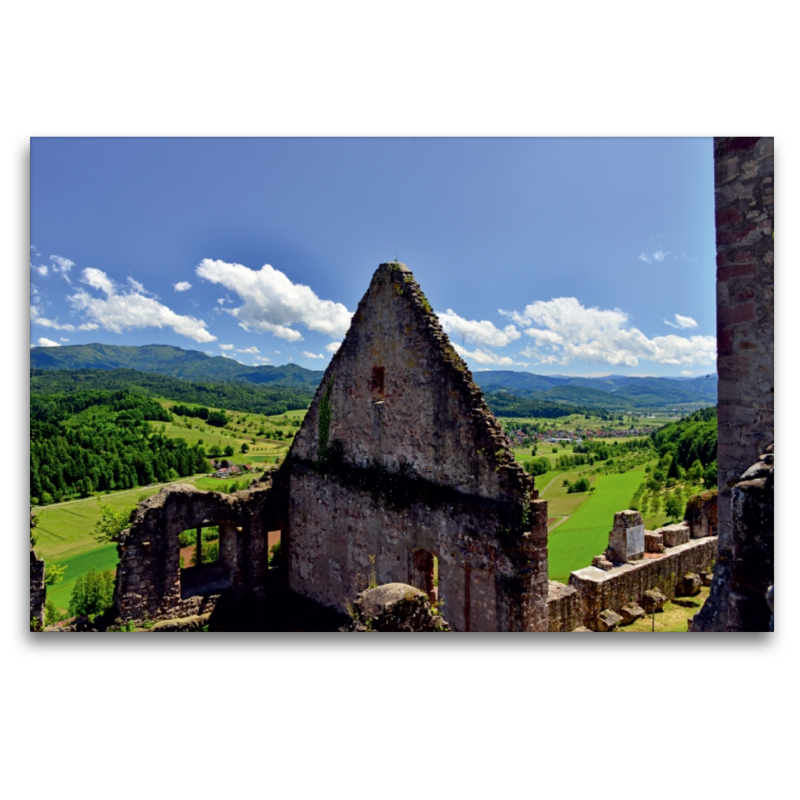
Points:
(425, 573)
(274, 549)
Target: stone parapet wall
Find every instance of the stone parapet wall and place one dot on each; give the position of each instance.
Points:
(613, 589)
(563, 608)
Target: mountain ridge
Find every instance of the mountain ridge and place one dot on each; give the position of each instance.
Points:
(612, 392)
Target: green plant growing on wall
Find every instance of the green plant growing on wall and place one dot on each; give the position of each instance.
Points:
(325, 419)
(373, 575)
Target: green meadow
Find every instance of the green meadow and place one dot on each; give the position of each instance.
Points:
(584, 535)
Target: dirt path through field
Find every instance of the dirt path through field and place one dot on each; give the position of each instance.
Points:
(562, 520)
(138, 489)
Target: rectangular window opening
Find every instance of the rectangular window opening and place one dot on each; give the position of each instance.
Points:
(376, 385)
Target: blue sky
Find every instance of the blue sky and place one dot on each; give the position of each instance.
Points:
(581, 256)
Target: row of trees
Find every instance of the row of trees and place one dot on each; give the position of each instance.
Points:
(219, 419)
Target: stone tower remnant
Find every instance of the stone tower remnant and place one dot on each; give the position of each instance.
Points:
(745, 212)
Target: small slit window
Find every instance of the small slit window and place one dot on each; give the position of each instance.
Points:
(376, 384)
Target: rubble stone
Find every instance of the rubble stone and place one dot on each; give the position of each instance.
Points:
(630, 613)
(653, 600)
(607, 620)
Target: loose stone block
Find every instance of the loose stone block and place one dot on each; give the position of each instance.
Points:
(653, 600)
(689, 585)
(607, 620)
(675, 534)
(630, 613)
(653, 542)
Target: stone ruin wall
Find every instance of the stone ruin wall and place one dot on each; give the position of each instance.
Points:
(598, 589)
(349, 537)
(744, 199)
(38, 591)
(403, 405)
(738, 599)
(680, 549)
(429, 417)
(149, 574)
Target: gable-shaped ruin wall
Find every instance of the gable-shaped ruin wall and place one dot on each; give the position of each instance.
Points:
(399, 454)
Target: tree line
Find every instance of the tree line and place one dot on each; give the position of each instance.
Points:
(218, 419)
(503, 404)
(270, 400)
(97, 441)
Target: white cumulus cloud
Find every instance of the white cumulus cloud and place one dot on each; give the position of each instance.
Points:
(565, 331)
(182, 286)
(478, 332)
(251, 350)
(122, 309)
(42, 342)
(682, 322)
(312, 355)
(332, 347)
(226, 347)
(38, 319)
(42, 269)
(483, 356)
(273, 303)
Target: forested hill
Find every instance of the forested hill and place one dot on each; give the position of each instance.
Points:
(162, 359)
(234, 396)
(95, 441)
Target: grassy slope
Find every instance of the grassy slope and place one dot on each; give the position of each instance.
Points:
(573, 544)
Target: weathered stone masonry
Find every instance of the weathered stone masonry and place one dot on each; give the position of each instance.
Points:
(744, 198)
(149, 577)
(398, 460)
